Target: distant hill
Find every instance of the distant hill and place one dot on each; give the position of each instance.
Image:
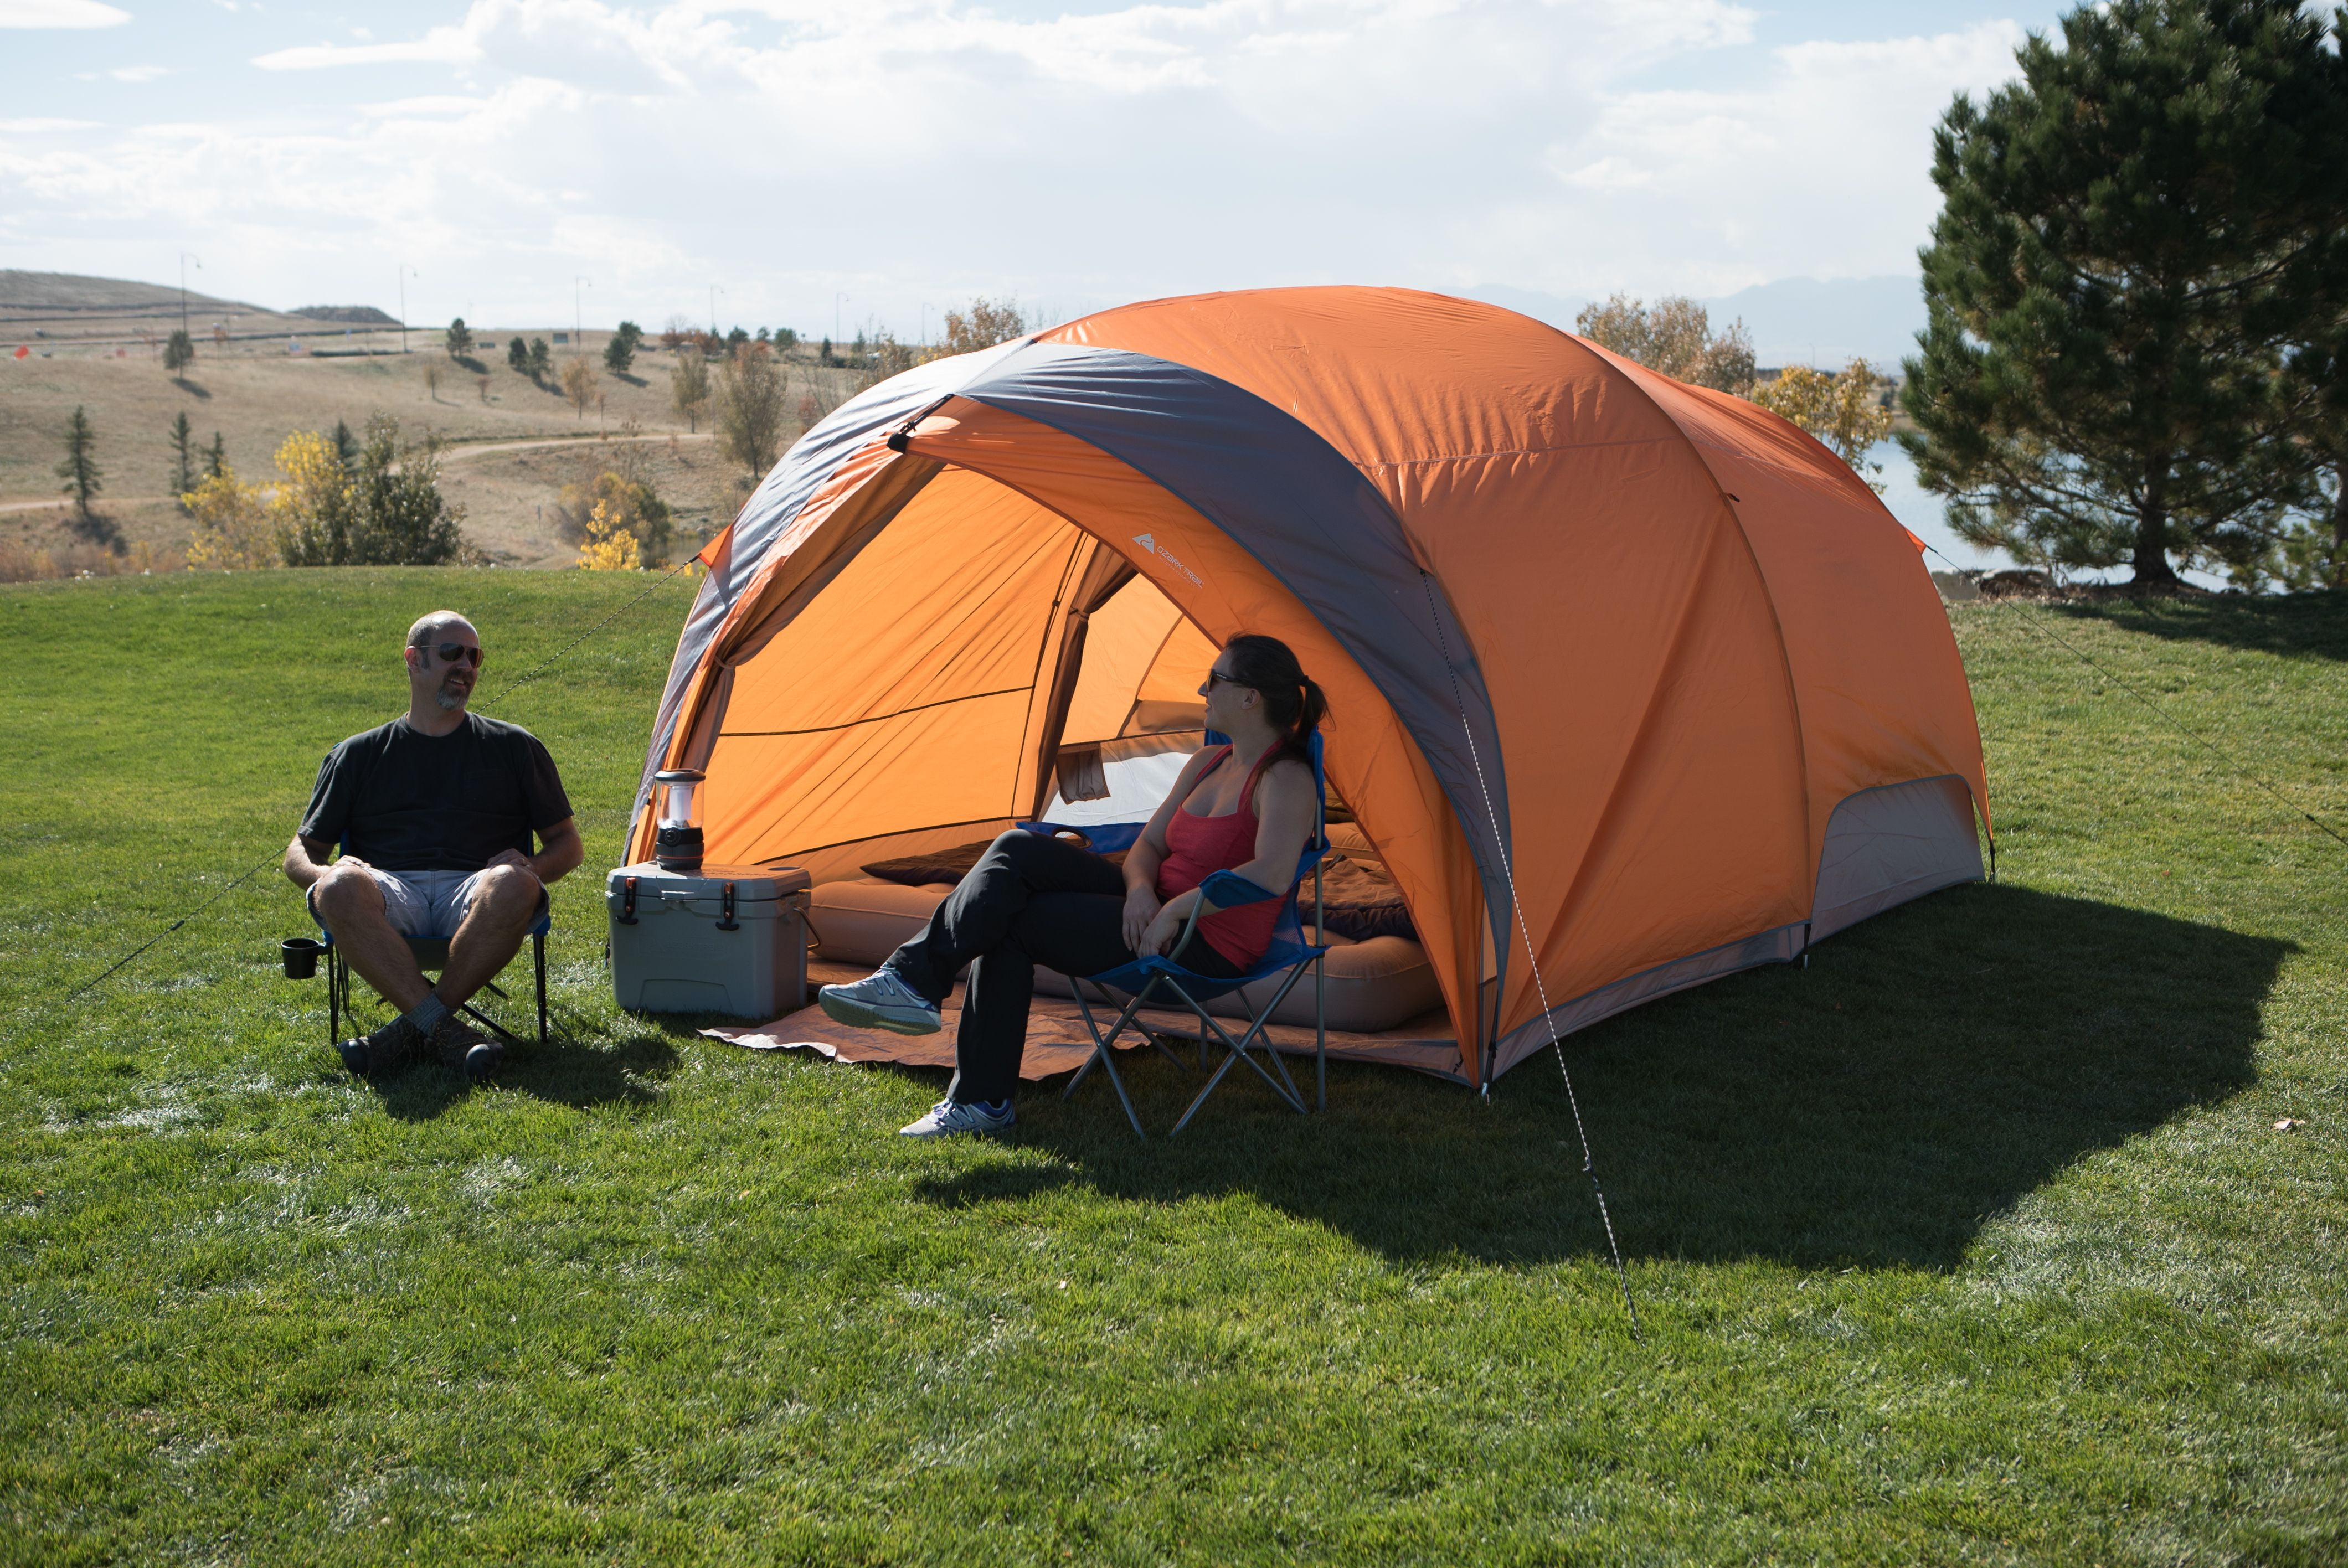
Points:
(68, 292)
(350, 316)
(1794, 321)
(73, 306)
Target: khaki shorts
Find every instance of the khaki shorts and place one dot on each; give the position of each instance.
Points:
(427, 903)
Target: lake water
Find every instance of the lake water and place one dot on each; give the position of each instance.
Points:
(1920, 511)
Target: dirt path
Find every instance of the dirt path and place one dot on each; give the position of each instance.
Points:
(450, 454)
(61, 502)
(447, 454)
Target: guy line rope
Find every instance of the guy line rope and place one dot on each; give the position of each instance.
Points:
(1540, 988)
(2044, 626)
(247, 874)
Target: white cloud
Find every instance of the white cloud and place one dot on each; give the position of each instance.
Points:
(139, 73)
(905, 151)
(60, 14)
(1830, 148)
(442, 46)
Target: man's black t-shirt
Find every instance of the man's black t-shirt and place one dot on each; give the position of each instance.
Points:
(413, 801)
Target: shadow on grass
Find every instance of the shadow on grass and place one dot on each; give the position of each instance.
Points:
(1929, 1068)
(192, 388)
(2289, 624)
(562, 1071)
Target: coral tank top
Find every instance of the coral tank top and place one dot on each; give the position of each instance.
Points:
(1197, 847)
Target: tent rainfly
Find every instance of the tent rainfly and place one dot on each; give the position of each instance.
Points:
(1633, 671)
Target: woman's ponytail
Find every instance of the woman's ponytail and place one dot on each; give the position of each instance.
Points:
(1293, 701)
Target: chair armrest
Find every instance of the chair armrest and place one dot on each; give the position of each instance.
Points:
(1100, 837)
(1230, 890)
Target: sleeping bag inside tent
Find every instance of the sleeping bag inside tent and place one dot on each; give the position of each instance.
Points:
(1633, 672)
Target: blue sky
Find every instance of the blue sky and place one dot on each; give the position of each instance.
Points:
(873, 163)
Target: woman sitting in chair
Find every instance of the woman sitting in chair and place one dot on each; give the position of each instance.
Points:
(1247, 806)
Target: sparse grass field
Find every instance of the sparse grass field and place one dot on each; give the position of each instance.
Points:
(1975, 1241)
(254, 398)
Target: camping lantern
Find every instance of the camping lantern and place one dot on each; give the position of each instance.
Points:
(677, 843)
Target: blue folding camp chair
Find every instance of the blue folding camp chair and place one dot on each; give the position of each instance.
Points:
(432, 953)
(1286, 961)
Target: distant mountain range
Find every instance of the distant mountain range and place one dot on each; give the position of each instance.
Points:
(1794, 321)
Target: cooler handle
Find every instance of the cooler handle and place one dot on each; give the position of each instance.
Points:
(627, 900)
(725, 921)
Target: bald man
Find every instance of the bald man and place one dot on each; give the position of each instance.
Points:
(437, 809)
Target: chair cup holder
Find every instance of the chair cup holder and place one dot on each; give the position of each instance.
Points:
(300, 956)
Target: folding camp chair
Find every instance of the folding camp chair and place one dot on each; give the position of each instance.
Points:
(1286, 961)
(432, 953)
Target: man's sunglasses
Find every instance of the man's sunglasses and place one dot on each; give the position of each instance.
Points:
(452, 652)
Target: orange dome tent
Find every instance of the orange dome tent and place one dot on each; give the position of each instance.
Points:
(1635, 671)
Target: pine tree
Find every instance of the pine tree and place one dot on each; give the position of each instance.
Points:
(178, 351)
(2132, 234)
(518, 356)
(460, 339)
(80, 470)
(620, 353)
(540, 358)
(346, 446)
(183, 457)
(216, 457)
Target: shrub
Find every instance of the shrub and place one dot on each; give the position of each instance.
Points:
(610, 545)
(389, 511)
(1844, 411)
(626, 503)
(235, 531)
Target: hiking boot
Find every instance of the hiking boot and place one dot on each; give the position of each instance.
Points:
(881, 1000)
(949, 1118)
(466, 1050)
(388, 1050)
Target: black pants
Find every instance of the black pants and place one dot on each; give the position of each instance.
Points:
(1029, 900)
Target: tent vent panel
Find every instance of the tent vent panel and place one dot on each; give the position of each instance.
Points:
(1889, 844)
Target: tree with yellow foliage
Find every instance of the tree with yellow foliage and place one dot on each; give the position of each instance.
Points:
(233, 530)
(626, 503)
(1846, 411)
(579, 383)
(385, 508)
(611, 544)
(312, 509)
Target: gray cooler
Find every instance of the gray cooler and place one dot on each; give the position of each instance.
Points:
(725, 938)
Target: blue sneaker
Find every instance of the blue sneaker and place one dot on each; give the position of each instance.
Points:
(949, 1117)
(881, 1001)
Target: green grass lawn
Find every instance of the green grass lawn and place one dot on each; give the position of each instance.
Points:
(1974, 1241)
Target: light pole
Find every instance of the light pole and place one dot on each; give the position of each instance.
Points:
(577, 332)
(186, 257)
(404, 270)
